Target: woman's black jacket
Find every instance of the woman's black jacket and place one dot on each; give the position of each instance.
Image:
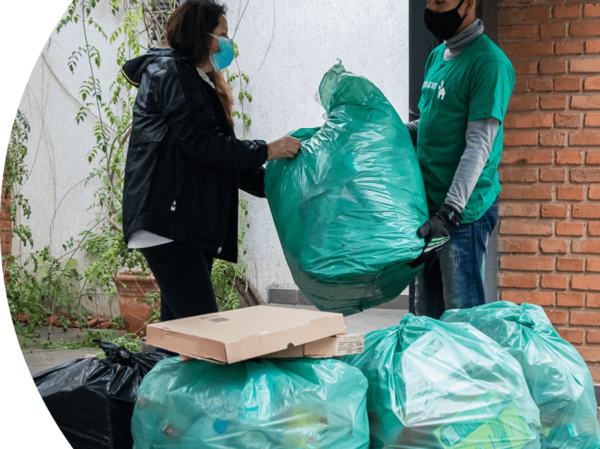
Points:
(184, 164)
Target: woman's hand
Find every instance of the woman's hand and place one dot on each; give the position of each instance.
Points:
(284, 147)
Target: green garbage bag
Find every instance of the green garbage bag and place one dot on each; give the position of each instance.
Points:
(348, 207)
(436, 385)
(559, 380)
(260, 404)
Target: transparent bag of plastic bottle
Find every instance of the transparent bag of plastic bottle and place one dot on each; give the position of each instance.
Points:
(436, 385)
(348, 207)
(258, 404)
(558, 378)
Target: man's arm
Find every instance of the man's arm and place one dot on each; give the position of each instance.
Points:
(480, 138)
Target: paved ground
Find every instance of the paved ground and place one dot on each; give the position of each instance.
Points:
(39, 359)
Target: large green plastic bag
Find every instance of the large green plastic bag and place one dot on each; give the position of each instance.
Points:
(558, 378)
(436, 385)
(294, 403)
(348, 207)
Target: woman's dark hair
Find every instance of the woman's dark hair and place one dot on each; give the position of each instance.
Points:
(188, 31)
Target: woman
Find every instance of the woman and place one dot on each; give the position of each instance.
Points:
(184, 164)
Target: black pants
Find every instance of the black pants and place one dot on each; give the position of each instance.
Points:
(183, 275)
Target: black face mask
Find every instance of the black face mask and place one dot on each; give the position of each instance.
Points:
(444, 25)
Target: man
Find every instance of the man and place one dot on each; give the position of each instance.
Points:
(459, 137)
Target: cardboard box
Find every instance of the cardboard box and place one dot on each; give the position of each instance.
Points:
(335, 346)
(243, 334)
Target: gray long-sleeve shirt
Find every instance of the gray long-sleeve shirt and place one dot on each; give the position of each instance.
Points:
(480, 133)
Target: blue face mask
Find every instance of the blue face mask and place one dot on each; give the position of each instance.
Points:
(225, 56)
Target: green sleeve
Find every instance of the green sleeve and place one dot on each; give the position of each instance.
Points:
(491, 87)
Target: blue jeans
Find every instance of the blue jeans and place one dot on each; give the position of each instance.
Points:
(455, 281)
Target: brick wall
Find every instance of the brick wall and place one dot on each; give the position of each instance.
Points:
(5, 232)
(549, 240)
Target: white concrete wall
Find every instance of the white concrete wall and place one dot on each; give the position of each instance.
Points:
(286, 46)
(301, 41)
(58, 148)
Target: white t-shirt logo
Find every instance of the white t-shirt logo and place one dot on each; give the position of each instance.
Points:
(442, 91)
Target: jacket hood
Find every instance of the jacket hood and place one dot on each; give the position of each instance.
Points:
(135, 68)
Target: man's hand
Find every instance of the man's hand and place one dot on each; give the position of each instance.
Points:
(436, 232)
(284, 147)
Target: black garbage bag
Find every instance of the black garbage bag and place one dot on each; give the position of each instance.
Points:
(92, 400)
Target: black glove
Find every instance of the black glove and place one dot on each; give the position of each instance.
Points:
(436, 232)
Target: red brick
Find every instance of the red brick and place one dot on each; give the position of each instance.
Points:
(595, 372)
(593, 265)
(591, 10)
(554, 282)
(569, 48)
(519, 297)
(586, 138)
(592, 84)
(593, 336)
(552, 175)
(585, 65)
(525, 67)
(553, 139)
(585, 318)
(567, 12)
(530, 49)
(593, 158)
(585, 283)
(568, 120)
(572, 229)
(518, 281)
(523, 103)
(594, 193)
(584, 29)
(569, 264)
(552, 246)
(541, 85)
(518, 210)
(592, 46)
(555, 211)
(509, 16)
(573, 193)
(585, 175)
(586, 211)
(528, 156)
(574, 336)
(516, 245)
(553, 102)
(570, 299)
(585, 102)
(589, 354)
(594, 229)
(514, 192)
(527, 263)
(518, 175)
(553, 30)
(521, 85)
(592, 120)
(553, 66)
(528, 121)
(567, 84)
(586, 246)
(593, 301)
(557, 316)
(519, 32)
(513, 227)
(573, 157)
(520, 138)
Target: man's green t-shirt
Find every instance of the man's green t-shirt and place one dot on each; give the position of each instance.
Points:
(476, 84)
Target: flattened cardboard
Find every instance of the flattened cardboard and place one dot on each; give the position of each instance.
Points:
(243, 334)
(335, 346)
